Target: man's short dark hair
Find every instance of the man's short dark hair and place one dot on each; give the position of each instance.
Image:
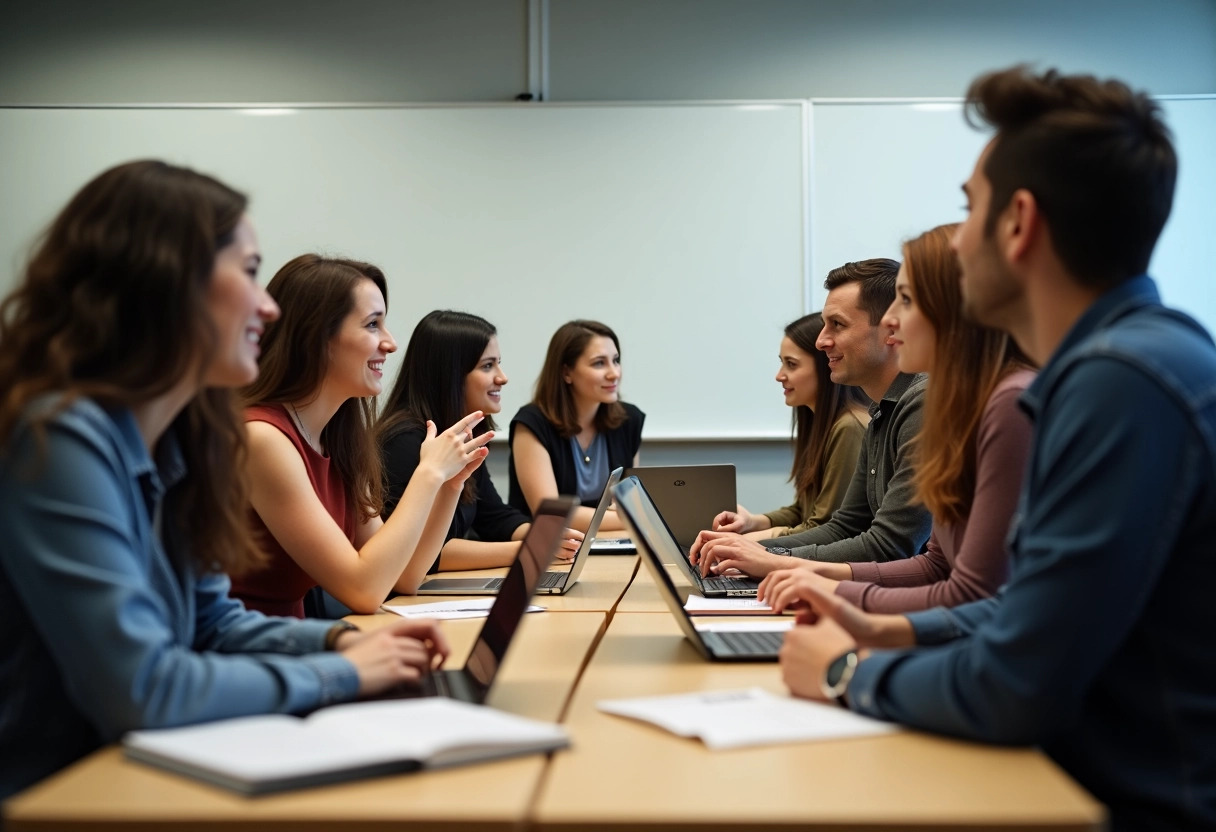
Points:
(877, 279)
(1096, 156)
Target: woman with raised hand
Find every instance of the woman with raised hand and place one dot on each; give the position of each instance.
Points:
(576, 430)
(315, 469)
(452, 365)
(121, 492)
(970, 454)
(829, 422)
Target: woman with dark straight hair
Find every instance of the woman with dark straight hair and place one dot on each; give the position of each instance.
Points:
(453, 364)
(576, 430)
(317, 489)
(829, 423)
(970, 454)
(121, 488)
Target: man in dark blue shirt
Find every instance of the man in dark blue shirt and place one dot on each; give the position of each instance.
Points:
(1099, 647)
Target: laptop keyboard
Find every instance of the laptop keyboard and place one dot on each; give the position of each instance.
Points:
(724, 583)
(748, 644)
(552, 579)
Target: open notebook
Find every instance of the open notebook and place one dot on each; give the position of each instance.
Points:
(259, 754)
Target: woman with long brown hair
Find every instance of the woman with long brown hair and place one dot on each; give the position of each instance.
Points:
(829, 425)
(576, 429)
(121, 495)
(315, 469)
(453, 364)
(970, 454)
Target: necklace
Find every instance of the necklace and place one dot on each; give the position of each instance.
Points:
(586, 452)
(300, 423)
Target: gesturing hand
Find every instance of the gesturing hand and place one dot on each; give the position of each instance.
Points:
(456, 451)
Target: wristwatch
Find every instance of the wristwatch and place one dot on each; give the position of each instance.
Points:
(838, 675)
(332, 634)
(778, 550)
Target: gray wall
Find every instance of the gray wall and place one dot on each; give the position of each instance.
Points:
(148, 51)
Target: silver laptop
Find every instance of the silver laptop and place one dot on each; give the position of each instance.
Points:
(655, 543)
(472, 682)
(689, 496)
(553, 582)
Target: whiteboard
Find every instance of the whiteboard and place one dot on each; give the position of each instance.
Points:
(682, 226)
(884, 171)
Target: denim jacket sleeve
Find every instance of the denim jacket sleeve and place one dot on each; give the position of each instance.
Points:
(137, 644)
(1083, 571)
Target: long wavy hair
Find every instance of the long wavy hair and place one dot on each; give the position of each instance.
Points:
(112, 307)
(444, 348)
(812, 427)
(552, 394)
(970, 361)
(315, 294)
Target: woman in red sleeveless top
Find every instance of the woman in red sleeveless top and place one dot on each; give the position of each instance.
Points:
(315, 471)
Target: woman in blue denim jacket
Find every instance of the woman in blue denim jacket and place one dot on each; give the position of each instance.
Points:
(119, 493)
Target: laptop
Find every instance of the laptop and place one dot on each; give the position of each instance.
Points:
(472, 682)
(689, 496)
(655, 543)
(711, 586)
(553, 582)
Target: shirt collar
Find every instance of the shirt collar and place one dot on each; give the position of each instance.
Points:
(1139, 291)
(895, 390)
(169, 466)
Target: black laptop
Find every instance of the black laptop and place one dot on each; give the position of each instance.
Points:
(655, 542)
(472, 682)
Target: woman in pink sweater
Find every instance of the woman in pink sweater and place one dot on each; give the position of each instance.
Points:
(970, 455)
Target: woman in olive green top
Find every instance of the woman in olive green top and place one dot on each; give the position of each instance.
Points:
(829, 423)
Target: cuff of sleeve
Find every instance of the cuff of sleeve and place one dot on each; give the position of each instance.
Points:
(863, 687)
(339, 681)
(308, 635)
(852, 591)
(804, 552)
(934, 626)
(865, 572)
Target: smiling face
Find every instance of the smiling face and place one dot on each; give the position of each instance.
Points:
(358, 350)
(596, 374)
(915, 339)
(798, 377)
(990, 291)
(239, 308)
(856, 349)
(483, 385)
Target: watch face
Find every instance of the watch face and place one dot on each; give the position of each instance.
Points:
(836, 670)
(779, 550)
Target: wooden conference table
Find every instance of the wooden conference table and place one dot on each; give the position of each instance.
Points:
(609, 637)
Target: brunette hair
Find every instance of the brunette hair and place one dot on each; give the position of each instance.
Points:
(812, 427)
(113, 307)
(315, 294)
(444, 348)
(876, 277)
(553, 396)
(971, 360)
(1096, 156)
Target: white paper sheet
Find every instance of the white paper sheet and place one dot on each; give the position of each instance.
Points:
(467, 608)
(739, 718)
(776, 624)
(700, 605)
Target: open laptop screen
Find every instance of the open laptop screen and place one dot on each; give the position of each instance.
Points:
(535, 554)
